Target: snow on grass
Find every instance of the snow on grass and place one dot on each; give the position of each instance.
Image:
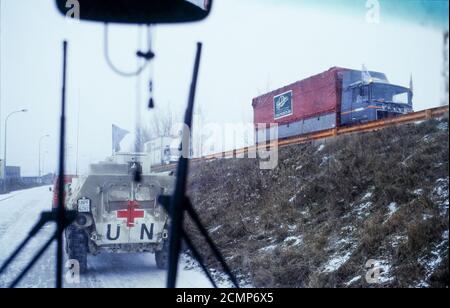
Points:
(336, 262)
(384, 272)
(348, 229)
(344, 249)
(292, 228)
(321, 148)
(440, 195)
(221, 279)
(215, 229)
(367, 196)
(427, 138)
(397, 240)
(292, 199)
(352, 281)
(418, 192)
(443, 126)
(293, 241)
(433, 260)
(268, 248)
(427, 217)
(362, 209)
(325, 160)
(392, 209)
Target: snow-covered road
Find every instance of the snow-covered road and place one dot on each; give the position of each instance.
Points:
(19, 211)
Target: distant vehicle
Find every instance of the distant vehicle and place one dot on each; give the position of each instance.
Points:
(337, 97)
(68, 179)
(115, 214)
(163, 150)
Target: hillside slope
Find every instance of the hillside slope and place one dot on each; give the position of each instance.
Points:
(367, 210)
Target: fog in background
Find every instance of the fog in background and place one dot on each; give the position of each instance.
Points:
(250, 47)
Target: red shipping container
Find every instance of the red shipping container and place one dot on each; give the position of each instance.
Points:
(316, 95)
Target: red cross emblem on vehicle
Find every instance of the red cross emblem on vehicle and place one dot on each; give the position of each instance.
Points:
(130, 214)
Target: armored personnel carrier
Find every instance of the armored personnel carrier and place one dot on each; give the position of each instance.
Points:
(117, 214)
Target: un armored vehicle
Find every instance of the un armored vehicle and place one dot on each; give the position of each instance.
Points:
(117, 214)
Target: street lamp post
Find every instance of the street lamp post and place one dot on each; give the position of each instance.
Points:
(43, 161)
(40, 144)
(4, 153)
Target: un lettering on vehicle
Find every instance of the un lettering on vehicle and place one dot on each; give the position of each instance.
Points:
(119, 233)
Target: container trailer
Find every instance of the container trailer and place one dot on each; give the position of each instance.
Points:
(337, 97)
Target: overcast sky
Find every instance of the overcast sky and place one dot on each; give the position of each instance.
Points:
(250, 47)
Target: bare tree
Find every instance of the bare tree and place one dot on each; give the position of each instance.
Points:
(143, 135)
(198, 135)
(162, 123)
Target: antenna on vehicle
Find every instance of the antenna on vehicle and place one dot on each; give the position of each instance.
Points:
(366, 78)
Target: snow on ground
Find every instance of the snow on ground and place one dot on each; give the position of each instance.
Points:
(352, 281)
(268, 248)
(443, 126)
(19, 211)
(215, 229)
(293, 241)
(392, 209)
(383, 270)
(433, 260)
(363, 209)
(336, 262)
(440, 195)
(367, 196)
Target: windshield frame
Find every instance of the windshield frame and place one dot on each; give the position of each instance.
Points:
(395, 89)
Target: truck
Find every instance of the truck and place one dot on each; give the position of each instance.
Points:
(115, 214)
(334, 98)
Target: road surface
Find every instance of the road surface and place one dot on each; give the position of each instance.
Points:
(20, 210)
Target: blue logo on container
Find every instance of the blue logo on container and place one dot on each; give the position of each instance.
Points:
(283, 105)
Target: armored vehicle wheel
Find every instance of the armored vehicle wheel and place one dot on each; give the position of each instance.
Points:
(162, 256)
(77, 247)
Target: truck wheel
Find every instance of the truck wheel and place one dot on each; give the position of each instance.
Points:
(77, 246)
(162, 256)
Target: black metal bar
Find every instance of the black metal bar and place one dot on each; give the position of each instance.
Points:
(33, 261)
(165, 202)
(194, 216)
(61, 180)
(176, 206)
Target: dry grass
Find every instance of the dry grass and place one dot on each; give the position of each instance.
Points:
(322, 198)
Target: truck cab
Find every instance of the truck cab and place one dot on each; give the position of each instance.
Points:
(373, 98)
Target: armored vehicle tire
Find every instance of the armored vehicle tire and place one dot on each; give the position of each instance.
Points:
(162, 256)
(77, 248)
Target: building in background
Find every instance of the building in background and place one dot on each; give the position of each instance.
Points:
(12, 176)
(2, 170)
(163, 150)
